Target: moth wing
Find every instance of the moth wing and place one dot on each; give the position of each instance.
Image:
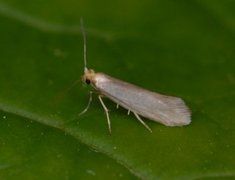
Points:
(168, 110)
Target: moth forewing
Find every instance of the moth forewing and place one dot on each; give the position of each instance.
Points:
(168, 110)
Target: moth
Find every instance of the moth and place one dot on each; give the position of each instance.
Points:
(167, 110)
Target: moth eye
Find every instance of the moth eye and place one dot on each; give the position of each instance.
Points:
(88, 81)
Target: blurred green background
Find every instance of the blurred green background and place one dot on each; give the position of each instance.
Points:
(180, 48)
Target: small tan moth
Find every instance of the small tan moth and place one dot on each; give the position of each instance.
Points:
(168, 110)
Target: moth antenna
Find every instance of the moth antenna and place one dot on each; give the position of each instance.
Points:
(84, 44)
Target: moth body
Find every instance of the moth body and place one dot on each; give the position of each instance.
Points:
(168, 110)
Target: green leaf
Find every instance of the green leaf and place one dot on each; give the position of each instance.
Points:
(183, 48)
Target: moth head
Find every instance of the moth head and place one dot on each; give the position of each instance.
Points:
(89, 76)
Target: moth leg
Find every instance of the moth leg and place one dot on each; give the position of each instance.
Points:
(128, 112)
(142, 122)
(88, 105)
(117, 106)
(106, 112)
